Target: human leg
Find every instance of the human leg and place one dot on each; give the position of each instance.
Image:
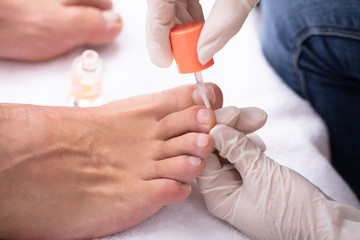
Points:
(76, 173)
(315, 47)
(41, 29)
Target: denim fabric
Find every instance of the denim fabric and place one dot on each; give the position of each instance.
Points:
(314, 45)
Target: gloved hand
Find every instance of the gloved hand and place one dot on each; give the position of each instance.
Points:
(263, 199)
(224, 21)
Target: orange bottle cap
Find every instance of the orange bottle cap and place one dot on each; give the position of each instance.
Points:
(184, 39)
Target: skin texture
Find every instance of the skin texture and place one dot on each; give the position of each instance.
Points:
(80, 173)
(29, 30)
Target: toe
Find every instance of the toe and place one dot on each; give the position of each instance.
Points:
(101, 4)
(194, 119)
(213, 94)
(182, 168)
(193, 144)
(161, 104)
(93, 26)
(168, 191)
(180, 98)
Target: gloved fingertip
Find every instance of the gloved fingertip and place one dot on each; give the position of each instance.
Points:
(251, 119)
(162, 62)
(204, 56)
(159, 50)
(258, 113)
(227, 115)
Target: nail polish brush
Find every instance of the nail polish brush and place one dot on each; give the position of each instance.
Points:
(184, 39)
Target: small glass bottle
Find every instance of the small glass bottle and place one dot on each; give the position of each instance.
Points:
(87, 78)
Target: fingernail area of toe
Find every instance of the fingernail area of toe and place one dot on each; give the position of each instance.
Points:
(111, 17)
(210, 93)
(203, 116)
(195, 161)
(202, 140)
(186, 187)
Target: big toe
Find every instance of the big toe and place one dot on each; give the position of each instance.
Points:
(101, 4)
(93, 26)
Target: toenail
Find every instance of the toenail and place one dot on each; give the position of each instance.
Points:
(203, 116)
(195, 161)
(210, 93)
(186, 187)
(202, 140)
(111, 17)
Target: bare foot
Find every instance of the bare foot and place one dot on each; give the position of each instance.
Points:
(83, 173)
(41, 29)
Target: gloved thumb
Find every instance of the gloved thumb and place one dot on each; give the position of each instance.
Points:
(224, 21)
(246, 120)
(236, 147)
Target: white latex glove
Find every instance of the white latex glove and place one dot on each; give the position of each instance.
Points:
(263, 199)
(224, 21)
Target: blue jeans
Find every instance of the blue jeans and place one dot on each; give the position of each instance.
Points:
(314, 45)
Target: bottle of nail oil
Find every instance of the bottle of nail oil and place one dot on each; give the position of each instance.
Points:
(87, 78)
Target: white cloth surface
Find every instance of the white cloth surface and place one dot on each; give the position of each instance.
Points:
(294, 134)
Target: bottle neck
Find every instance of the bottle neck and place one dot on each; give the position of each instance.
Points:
(90, 61)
